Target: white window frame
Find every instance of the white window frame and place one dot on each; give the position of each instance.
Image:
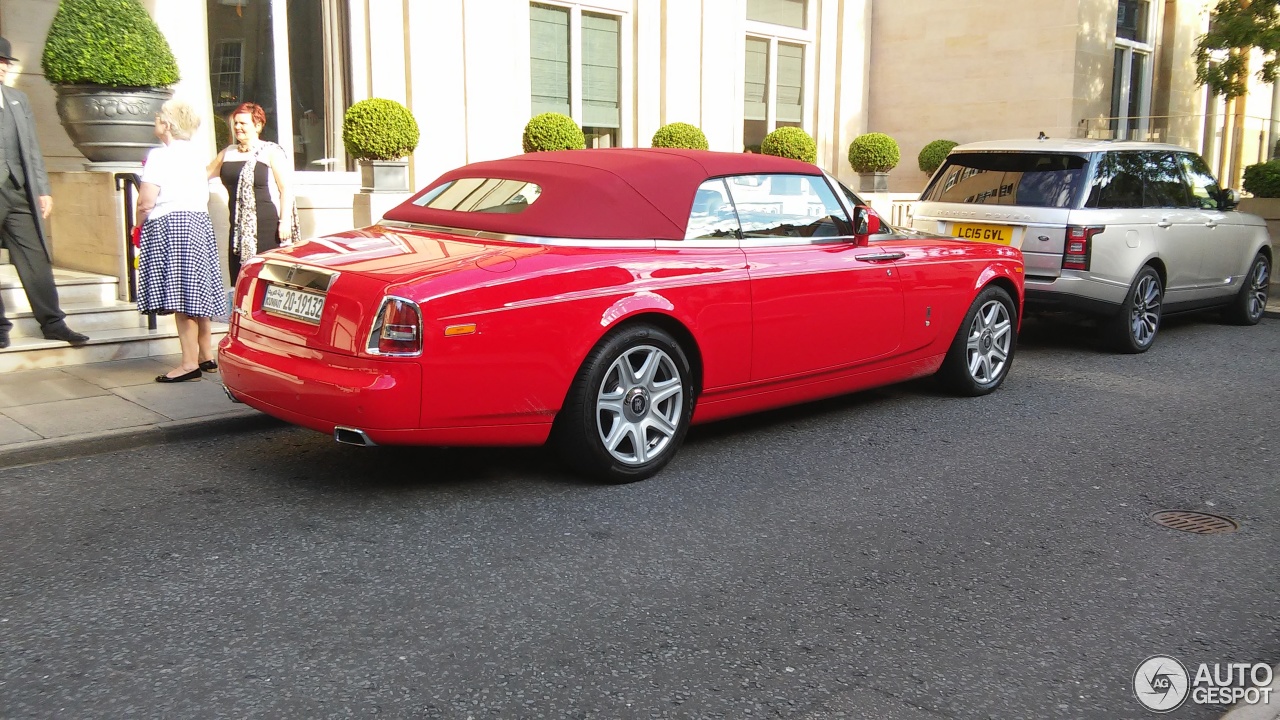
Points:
(626, 60)
(786, 34)
(1143, 85)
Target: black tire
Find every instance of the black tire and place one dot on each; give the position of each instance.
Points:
(1133, 330)
(643, 443)
(1251, 302)
(982, 351)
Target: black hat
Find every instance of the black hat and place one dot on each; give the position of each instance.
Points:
(6, 53)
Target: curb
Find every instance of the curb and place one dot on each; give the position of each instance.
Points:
(96, 443)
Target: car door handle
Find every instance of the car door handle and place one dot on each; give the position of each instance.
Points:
(881, 256)
(1211, 223)
(1164, 222)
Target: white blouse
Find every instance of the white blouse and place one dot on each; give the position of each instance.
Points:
(180, 169)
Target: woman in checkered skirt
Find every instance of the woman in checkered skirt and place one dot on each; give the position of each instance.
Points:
(179, 253)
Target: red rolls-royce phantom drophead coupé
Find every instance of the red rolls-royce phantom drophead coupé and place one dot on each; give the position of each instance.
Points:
(607, 299)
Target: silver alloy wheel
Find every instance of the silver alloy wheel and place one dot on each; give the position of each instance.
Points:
(1144, 319)
(990, 336)
(1259, 285)
(639, 405)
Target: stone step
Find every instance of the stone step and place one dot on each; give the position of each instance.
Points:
(87, 318)
(29, 353)
(74, 288)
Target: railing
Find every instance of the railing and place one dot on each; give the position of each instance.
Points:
(127, 184)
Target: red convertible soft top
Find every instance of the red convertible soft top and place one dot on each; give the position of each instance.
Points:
(608, 194)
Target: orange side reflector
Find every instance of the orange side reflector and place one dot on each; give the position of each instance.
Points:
(452, 330)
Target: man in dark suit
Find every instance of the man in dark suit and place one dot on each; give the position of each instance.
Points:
(24, 202)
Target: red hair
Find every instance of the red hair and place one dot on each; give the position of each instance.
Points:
(254, 111)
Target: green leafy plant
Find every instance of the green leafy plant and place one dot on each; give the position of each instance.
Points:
(1263, 179)
(552, 131)
(221, 132)
(932, 155)
(874, 152)
(379, 129)
(679, 135)
(107, 42)
(790, 142)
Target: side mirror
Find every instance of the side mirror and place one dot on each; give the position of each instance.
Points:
(1229, 199)
(865, 223)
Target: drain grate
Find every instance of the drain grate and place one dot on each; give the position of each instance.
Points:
(1195, 522)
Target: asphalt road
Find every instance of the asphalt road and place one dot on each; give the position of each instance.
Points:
(893, 554)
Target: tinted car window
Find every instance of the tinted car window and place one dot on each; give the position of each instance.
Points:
(712, 215)
(1013, 178)
(1118, 182)
(1148, 178)
(1205, 192)
(787, 206)
(489, 195)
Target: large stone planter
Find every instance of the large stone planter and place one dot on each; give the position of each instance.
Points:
(111, 124)
(384, 176)
(873, 182)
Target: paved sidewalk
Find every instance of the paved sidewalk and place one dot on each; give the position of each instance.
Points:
(57, 413)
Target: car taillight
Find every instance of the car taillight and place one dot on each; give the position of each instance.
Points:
(1079, 247)
(398, 329)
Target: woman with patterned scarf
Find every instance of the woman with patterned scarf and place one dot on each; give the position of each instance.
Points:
(258, 179)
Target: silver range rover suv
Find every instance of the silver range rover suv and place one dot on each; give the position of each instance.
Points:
(1125, 231)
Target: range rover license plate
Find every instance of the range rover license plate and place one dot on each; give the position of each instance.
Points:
(999, 234)
(297, 304)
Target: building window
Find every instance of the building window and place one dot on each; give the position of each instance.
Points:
(779, 64)
(1131, 70)
(252, 57)
(576, 69)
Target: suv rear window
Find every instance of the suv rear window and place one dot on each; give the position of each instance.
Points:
(1029, 179)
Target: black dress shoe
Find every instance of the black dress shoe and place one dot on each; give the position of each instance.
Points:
(65, 334)
(193, 375)
(4, 341)
(209, 366)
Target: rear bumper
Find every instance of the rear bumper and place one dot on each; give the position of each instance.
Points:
(323, 390)
(1074, 294)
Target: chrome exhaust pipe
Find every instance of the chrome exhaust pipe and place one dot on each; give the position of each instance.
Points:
(230, 396)
(352, 436)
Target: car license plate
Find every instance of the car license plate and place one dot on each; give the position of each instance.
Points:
(305, 306)
(999, 234)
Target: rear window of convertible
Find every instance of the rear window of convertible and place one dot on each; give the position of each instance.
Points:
(1029, 179)
(483, 195)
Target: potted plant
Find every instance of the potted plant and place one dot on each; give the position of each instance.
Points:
(1263, 182)
(679, 135)
(111, 68)
(790, 142)
(932, 155)
(872, 156)
(380, 133)
(552, 131)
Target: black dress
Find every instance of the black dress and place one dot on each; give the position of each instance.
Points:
(268, 217)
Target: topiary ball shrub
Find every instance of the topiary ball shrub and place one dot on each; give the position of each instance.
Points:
(873, 152)
(379, 129)
(221, 132)
(790, 142)
(552, 131)
(679, 135)
(1263, 179)
(932, 155)
(107, 42)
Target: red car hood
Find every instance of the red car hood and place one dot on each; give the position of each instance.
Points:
(393, 256)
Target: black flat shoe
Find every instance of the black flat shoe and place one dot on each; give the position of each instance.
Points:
(209, 366)
(4, 341)
(193, 375)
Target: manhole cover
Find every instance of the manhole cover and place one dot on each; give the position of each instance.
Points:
(1195, 522)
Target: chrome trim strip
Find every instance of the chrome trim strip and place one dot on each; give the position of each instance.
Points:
(371, 346)
(639, 243)
(305, 277)
(768, 242)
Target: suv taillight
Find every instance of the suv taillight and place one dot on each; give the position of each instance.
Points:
(398, 329)
(1079, 246)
